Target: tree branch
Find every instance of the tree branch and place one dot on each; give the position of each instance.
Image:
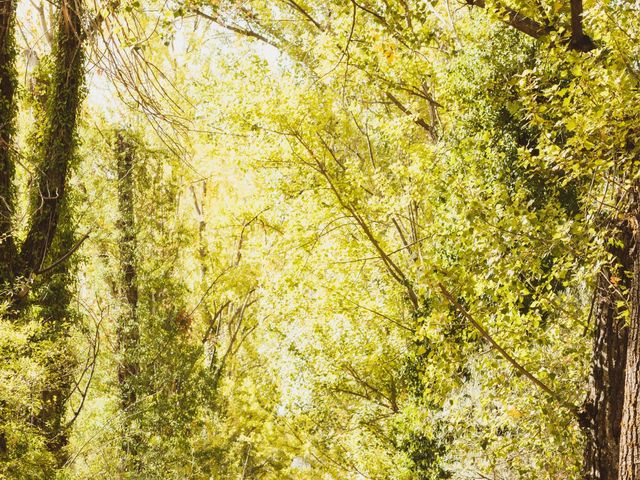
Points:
(418, 121)
(518, 366)
(579, 41)
(306, 14)
(65, 256)
(247, 33)
(518, 21)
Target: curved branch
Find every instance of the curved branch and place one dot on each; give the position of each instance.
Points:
(518, 21)
(509, 358)
(247, 33)
(63, 257)
(417, 120)
(306, 14)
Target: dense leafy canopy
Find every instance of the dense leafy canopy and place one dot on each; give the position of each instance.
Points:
(319, 240)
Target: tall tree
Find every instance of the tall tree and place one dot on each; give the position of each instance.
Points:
(58, 138)
(7, 167)
(41, 261)
(7, 129)
(128, 330)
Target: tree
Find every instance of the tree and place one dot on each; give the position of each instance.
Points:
(346, 239)
(602, 413)
(48, 240)
(128, 330)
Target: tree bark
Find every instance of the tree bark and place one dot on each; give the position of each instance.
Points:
(128, 329)
(51, 231)
(54, 153)
(7, 130)
(602, 410)
(7, 168)
(630, 427)
(54, 298)
(58, 143)
(579, 41)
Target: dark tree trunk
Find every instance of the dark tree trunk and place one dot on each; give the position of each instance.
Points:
(630, 427)
(7, 168)
(54, 297)
(603, 407)
(50, 232)
(7, 127)
(128, 328)
(58, 140)
(50, 235)
(54, 157)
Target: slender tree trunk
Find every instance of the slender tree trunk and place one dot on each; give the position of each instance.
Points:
(7, 168)
(7, 128)
(128, 328)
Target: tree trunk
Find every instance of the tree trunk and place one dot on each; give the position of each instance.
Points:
(58, 140)
(602, 411)
(51, 233)
(55, 152)
(54, 298)
(128, 328)
(630, 428)
(7, 127)
(7, 168)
